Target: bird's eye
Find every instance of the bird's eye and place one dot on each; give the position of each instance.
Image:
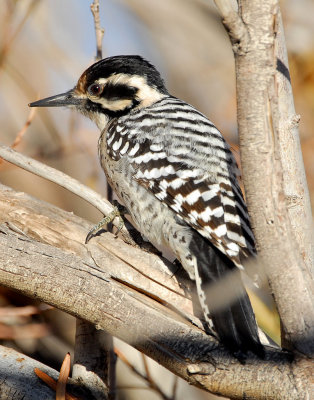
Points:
(95, 89)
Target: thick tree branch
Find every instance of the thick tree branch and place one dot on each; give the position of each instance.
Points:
(294, 179)
(18, 380)
(264, 138)
(92, 359)
(50, 262)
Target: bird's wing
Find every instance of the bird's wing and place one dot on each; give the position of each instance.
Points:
(201, 188)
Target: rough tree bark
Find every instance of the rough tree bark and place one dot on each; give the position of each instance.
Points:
(93, 352)
(121, 289)
(269, 145)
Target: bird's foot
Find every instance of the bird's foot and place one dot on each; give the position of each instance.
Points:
(118, 211)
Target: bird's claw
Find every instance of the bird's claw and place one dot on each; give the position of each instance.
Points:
(117, 211)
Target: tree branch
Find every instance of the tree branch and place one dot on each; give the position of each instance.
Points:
(264, 137)
(294, 179)
(92, 359)
(71, 184)
(49, 261)
(98, 30)
(18, 380)
(95, 358)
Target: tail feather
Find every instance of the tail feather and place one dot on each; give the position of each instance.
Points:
(234, 320)
(237, 328)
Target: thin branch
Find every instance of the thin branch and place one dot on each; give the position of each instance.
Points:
(20, 82)
(233, 23)
(22, 132)
(133, 387)
(71, 184)
(146, 367)
(92, 345)
(98, 30)
(152, 385)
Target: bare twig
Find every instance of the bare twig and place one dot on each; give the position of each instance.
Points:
(147, 378)
(101, 381)
(19, 80)
(146, 367)
(99, 31)
(63, 180)
(234, 24)
(133, 387)
(21, 133)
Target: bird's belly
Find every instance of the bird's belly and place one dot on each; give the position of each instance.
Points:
(150, 216)
(153, 218)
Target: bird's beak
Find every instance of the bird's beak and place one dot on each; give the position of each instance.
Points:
(66, 99)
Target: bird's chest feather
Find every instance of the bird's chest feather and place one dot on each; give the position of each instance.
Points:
(114, 147)
(148, 214)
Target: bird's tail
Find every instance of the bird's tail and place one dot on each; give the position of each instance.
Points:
(224, 299)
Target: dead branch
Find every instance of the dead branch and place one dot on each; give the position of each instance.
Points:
(22, 132)
(50, 262)
(17, 371)
(71, 184)
(92, 359)
(98, 30)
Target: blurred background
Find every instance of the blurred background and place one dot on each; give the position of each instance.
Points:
(44, 47)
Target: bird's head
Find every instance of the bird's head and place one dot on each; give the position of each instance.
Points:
(110, 88)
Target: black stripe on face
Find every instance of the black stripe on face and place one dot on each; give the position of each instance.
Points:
(114, 92)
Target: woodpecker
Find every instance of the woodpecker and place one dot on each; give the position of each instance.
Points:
(175, 174)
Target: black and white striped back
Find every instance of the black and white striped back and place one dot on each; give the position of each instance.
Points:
(181, 157)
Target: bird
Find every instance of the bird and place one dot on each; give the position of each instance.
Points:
(175, 174)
